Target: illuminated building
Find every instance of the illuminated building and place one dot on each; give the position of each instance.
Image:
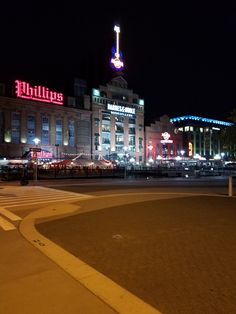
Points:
(118, 116)
(201, 136)
(118, 122)
(61, 123)
(162, 141)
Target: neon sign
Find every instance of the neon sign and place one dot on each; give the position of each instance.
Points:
(166, 137)
(116, 60)
(38, 93)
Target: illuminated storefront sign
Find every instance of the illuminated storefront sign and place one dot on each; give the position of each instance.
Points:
(166, 137)
(116, 60)
(38, 93)
(121, 109)
(42, 154)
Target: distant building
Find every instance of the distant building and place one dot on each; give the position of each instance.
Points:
(162, 141)
(201, 136)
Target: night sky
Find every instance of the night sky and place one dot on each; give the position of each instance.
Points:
(179, 57)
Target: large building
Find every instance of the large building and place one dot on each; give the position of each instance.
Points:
(201, 136)
(34, 115)
(118, 122)
(118, 116)
(162, 141)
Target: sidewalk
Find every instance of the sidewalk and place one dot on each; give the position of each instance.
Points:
(31, 283)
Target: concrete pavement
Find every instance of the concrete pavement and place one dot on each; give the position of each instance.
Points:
(32, 283)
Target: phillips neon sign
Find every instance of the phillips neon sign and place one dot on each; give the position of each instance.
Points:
(38, 93)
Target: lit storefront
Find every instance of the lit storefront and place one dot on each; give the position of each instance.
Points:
(162, 142)
(37, 112)
(201, 136)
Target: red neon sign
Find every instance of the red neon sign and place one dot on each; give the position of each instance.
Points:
(38, 93)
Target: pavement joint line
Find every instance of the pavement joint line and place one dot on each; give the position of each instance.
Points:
(115, 296)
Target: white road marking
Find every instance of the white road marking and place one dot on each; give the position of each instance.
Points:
(36, 195)
(9, 214)
(6, 225)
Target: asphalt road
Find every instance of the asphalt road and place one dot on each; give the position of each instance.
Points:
(156, 238)
(177, 252)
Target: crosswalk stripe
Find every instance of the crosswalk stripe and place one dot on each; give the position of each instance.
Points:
(9, 214)
(42, 198)
(6, 225)
(41, 202)
(36, 195)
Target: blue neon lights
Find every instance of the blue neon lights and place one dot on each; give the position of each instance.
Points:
(201, 119)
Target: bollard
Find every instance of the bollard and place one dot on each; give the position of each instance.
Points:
(230, 186)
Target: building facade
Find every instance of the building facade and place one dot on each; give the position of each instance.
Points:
(201, 136)
(118, 122)
(162, 141)
(35, 112)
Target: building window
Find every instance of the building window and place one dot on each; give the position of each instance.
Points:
(106, 138)
(120, 139)
(15, 128)
(106, 116)
(132, 130)
(119, 119)
(132, 121)
(58, 132)
(105, 127)
(119, 128)
(132, 140)
(186, 128)
(30, 129)
(71, 133)
(45, 131)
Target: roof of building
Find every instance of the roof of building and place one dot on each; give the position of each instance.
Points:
(200, 119)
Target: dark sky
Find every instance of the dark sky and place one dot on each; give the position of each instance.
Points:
(179, 56)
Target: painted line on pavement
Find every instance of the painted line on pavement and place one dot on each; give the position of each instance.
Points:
(6, 225)
(43, 202)
(9, 214)
(107, 290)
(115, 296)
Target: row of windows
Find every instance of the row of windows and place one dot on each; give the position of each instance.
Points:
(197, 129)
(82, 127)
(107, 117)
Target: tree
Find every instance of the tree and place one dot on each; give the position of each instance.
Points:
(228, 137)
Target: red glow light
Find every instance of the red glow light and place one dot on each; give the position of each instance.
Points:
(38, 93)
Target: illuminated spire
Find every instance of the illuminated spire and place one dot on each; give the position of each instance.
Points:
(116, 60)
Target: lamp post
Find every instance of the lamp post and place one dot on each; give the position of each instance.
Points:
(36, 142)
(125, 159)
(182, 153)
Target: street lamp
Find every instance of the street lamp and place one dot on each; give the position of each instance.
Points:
(36, 142)
(182, 153)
